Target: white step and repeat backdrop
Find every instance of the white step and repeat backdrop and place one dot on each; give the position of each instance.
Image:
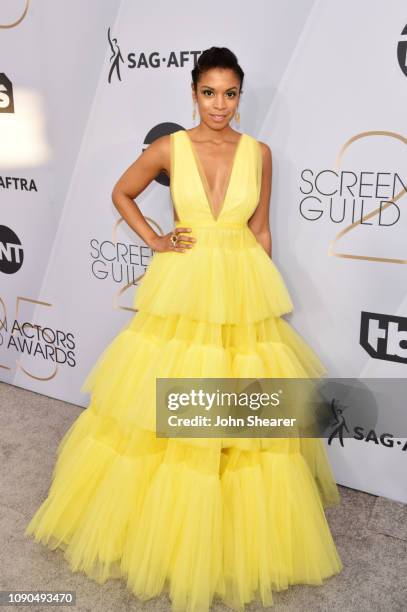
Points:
(85, 86)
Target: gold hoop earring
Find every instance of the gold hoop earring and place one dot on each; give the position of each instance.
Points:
(194, 113)
(237, 118)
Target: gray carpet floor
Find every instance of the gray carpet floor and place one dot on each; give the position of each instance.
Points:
(370, 532)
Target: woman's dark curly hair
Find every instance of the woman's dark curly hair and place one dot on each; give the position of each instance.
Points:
(216, 57)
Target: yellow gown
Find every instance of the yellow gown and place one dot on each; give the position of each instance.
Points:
(198, 518)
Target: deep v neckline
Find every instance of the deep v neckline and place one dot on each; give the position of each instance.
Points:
(204, 180)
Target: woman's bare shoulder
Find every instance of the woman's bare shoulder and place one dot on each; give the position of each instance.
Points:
(265, 151)
(160, 151)
(161, 145)
(265, 148)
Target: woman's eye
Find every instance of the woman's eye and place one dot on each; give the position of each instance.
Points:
(208, 92)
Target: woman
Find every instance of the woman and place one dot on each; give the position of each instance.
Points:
(234, 518)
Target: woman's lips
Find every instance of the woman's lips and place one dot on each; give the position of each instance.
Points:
(217, 117)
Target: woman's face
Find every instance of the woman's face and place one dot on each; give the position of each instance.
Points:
(217, 96)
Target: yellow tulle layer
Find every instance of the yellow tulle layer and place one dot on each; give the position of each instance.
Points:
(233, 280)
(123, 382)
(197, 523)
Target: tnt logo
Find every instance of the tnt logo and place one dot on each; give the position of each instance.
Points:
(11, 251)
(384, 336)
(6, 94)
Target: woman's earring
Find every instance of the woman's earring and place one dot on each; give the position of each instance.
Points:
(237, 118)
(194, 113)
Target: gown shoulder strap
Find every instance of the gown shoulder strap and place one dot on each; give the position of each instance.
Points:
(179, 145)
(259, 163)
(258, 158)
(181, 162)
(176, 143)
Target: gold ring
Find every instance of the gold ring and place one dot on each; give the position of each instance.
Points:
(174, 239)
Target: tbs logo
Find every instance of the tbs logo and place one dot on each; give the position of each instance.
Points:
(6, 95)
(384, 336)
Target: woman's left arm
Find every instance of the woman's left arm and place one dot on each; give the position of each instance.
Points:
(259, 222)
